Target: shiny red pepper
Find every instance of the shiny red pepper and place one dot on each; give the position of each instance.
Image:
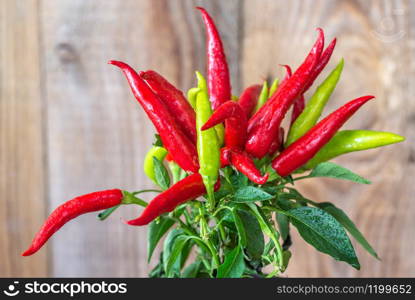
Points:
(299, 103)
(219, 83)
(271, 114)
(249, 98)
(254, 121)
(176, 102)
(298, 108)
(236, 123)
(288, 73)
(174, 140)
(302, 150)
(324, 59)
(244, 164)
(225, 157)
(186, 189)
(71, 209)
(278, 143)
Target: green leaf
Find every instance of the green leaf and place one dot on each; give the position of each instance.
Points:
(268, 248)
(156, 231)
(268, 229)
(161, 174)
(106, 213)
(240, 227)
(238, 179)
(233, 266)
(185, 253)
(283, 225)
(324, 232)
(292, 194)
(178, 244)
(251, 194)
(192, 270)
(254, 237)
(167, 249)
(343, 219)
(329, 169)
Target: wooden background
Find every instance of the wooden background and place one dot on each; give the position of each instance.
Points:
(69, 125)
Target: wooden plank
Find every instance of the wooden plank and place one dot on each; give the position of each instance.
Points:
(97, 135)
(374, 40)
(22, 196)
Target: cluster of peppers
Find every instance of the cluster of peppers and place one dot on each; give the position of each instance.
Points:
(210, 131)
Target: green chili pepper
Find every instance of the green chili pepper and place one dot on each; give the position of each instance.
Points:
(202, 85)
(353, 140)
(201, 82)
(274, 87)
(191, 96)
(312, 111)
(263, 96)
(175, 171)
(157, 152)
(208, 148)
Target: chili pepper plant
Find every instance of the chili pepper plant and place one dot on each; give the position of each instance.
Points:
(226, 169)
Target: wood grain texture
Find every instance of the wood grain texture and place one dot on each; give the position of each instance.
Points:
(22, 194)
(72, 126)
(373, 37)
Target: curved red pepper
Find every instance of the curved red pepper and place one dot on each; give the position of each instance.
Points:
(236, 123)
(175, 101)
(225, 157)
(288, 73)
(219, 83)
(244, 164)
(174, 140)
(72, 209)
(271, 114)
(278, 143)
(254, 121)
(324, 59)
(302, 150)
(298, 108)
(186, 189)
(249, 98)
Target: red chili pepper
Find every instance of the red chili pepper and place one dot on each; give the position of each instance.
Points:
(255, 120)
(249, 98)
(298, 108)
(72, 209)
(288, 73)
(278, 143)
(272, 113)
(324, 59)
(244, 164)
(219, 84)
(236, 123)
(299, 104)
(175, 101)
(186, 189)
(225, 157)
(174, 140)
(302, 150)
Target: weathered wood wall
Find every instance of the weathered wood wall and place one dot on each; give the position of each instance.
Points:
(69, 125)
